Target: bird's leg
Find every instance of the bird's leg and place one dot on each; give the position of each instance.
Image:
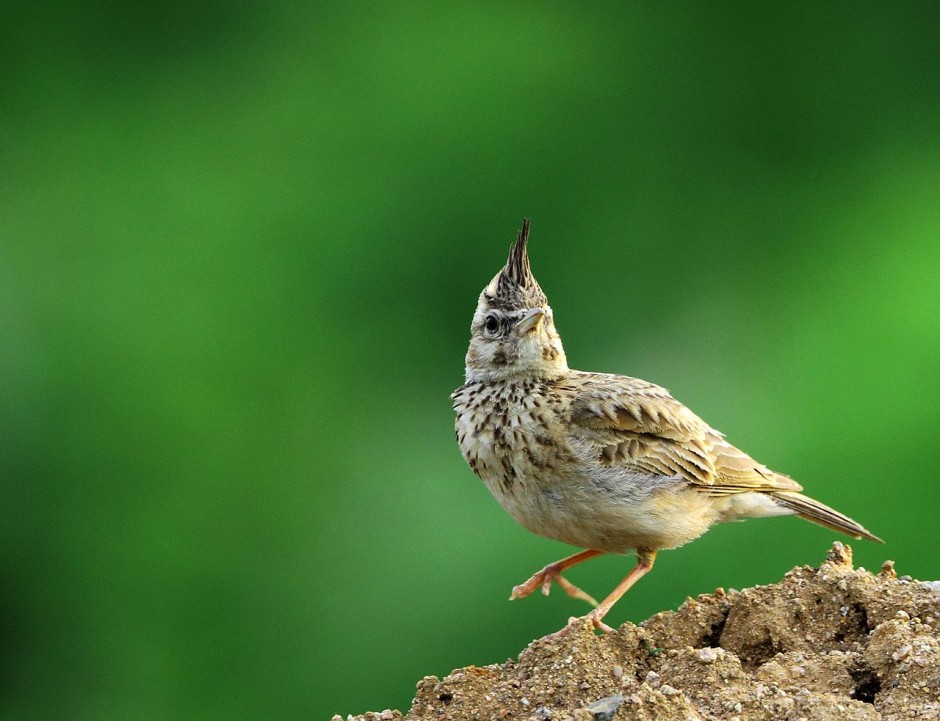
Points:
(552, 572)
(644, 563)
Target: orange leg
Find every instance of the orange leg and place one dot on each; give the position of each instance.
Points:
(645, 558)
(552, 572)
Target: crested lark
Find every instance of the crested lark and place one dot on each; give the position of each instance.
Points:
(604, 462)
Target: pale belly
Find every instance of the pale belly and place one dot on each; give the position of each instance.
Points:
(644, 512)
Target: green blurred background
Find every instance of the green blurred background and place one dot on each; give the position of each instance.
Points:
(240, 246)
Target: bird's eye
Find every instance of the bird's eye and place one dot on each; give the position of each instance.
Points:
(491, 324)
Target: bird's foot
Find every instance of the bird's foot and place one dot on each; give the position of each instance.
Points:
(597, 621)
(592, 621)
(544, 579)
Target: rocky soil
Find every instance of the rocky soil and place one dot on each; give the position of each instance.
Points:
(827, 643)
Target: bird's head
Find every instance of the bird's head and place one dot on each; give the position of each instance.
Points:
(513, 331)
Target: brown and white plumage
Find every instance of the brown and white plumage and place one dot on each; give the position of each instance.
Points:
(604, 462)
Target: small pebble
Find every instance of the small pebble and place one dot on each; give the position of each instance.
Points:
(931, 586)
(618, 671)
(707, 655)
(668, 690)
(605, 709)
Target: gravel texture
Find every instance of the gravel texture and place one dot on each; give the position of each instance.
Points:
(828, 643)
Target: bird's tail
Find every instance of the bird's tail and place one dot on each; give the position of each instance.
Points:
(812, 510)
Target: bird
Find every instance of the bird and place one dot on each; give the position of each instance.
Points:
(606, 463)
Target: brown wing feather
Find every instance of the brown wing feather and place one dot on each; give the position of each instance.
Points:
(639, 425)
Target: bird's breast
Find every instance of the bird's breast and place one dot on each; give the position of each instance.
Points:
(509, 434)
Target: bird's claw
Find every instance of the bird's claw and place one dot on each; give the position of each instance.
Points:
(571, 590)
(591, 621)
(598, 623)
(544, 579)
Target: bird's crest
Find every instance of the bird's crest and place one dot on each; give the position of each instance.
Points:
(514, 287)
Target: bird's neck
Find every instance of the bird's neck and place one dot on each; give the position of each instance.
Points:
(510, 374)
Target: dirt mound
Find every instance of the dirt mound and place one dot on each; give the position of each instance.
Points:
(827, 643)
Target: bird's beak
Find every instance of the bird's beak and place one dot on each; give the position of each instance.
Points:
(532, 320)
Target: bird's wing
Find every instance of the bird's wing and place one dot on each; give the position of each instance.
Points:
(639, 425)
